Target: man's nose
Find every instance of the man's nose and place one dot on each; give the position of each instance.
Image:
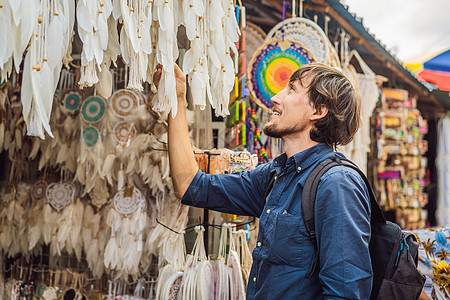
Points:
(277, 98)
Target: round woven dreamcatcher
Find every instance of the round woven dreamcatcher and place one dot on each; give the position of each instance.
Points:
(158, 129)
(60, 194)
(38, 190)
(128, 200)
(270, 68)
(90, 136)
(123, 102)
(93, 109)
(306, 32)
(8, 192)
(71, 102)
(124, 132)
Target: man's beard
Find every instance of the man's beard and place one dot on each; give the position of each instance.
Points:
(272, 130)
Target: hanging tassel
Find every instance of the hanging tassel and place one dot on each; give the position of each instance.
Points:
(120, 178)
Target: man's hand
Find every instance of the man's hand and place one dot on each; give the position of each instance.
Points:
(180, 79)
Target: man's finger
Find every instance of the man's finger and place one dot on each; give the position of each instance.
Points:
(157, 76)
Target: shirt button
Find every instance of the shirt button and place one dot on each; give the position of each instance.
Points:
(299, 168)
(259, 244)
(268, 210)
(254, 279)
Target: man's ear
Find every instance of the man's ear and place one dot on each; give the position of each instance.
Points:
(319, 113)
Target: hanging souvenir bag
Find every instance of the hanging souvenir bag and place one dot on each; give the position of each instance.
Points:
(233, 262)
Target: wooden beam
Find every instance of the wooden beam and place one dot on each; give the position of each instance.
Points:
(262, 21)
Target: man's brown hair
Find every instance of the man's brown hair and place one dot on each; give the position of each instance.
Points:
(328, 86)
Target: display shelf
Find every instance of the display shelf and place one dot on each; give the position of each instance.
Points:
(399, 169)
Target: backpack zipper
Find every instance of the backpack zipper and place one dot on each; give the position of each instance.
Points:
(403, 244)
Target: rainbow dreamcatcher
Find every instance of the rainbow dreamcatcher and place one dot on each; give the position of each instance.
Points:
(271, 67)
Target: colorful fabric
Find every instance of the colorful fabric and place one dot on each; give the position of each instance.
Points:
(434, 258)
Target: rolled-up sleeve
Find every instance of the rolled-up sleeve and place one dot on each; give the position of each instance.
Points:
(343, 234)
(239, 193)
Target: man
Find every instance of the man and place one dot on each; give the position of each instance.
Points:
(317, 111)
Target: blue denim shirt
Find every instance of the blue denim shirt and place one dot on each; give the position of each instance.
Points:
(284, 250)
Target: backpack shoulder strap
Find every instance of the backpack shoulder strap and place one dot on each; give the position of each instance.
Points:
(309, 197)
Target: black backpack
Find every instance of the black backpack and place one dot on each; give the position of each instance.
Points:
(394, 253)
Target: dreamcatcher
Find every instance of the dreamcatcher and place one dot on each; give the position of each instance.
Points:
(128, 200)
(90, 136)
(124, 102)
(60, 194)
(128, 221)
(307, 33)
(62, 228)
(90, 157)
(124, 132)
(272, 65)
(71, 103)
(93, 109)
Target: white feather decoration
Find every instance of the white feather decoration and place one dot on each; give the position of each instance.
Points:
(108, 167)
(6, 37)
(121, 179)
(43, 63)
(86, 232)
(92, 17)
(25, 17)
(135, 38)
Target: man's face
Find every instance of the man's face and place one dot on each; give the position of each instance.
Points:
(291, 112)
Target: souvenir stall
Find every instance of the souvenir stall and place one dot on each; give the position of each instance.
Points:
(398, 164)
(87, 207)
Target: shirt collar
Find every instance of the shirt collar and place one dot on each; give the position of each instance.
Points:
(309, 156)
(303, 159)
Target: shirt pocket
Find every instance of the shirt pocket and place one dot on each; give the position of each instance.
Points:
(291, 244)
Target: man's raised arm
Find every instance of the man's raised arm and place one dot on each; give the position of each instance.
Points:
(183, 166)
